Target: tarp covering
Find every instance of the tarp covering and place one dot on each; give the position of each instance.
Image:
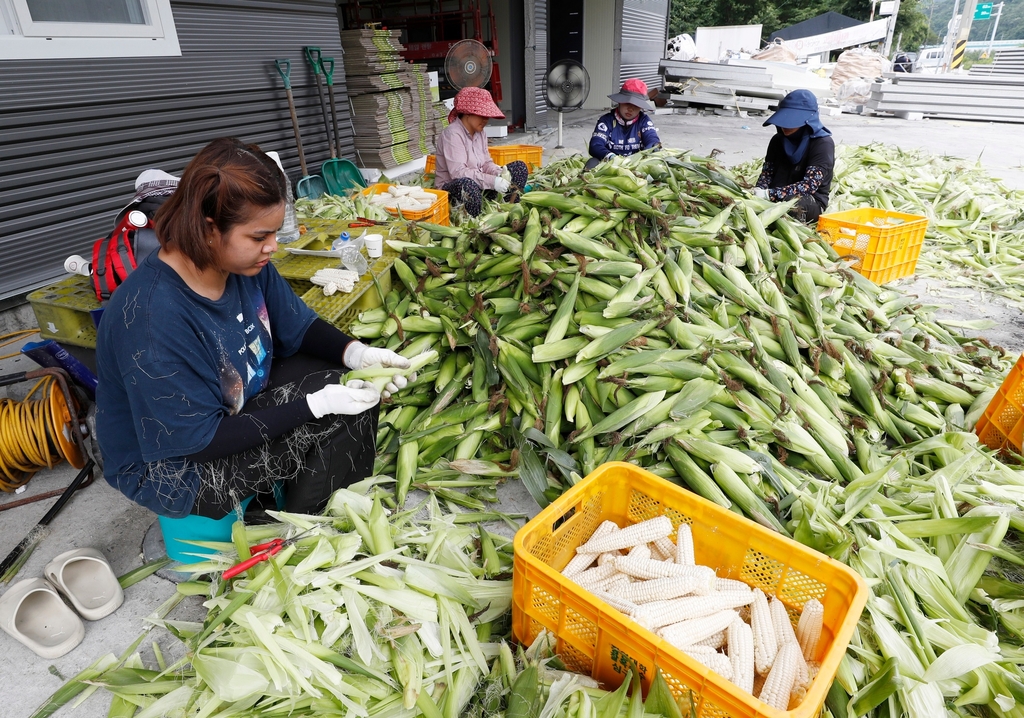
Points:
(826, 22)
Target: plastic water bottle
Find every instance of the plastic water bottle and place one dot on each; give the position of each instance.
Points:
(289, 231)
(352, 256)
(341, 242)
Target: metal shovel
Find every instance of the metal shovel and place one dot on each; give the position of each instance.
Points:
(340, 174)
(310, 186)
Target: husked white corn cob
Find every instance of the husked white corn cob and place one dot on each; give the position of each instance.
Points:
(594, 575)
(646, 569)
(684, 545)
(802, 681)
(582, 561)
(335, 280)
(780, 620)
(808, 629)
(613, 583)
(716, 641)
(619, 604)
(730, 584)
(639, 533)
(663, 549)
(608, 557)
(686, 633)
(663, 613)
(663, 589)
(641, 552)
(766, 645)
(712, 659)
(741, 654)
(779, 684)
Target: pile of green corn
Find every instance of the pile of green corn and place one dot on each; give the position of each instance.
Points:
(653, 312)
(650, 311)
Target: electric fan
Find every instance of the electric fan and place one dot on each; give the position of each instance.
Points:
(468, 64)
(568, 87)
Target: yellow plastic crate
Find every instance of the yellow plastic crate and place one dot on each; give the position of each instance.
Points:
(530, 154)
(1002, 424)
(63, 311)
(438, 212)
(885, 244)
(595, 639)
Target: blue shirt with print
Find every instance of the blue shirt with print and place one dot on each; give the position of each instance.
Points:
(172, 363)
(612, 136)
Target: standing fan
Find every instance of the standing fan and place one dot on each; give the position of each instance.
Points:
(568, 87)
(468, 64)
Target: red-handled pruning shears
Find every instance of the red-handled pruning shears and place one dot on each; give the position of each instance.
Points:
(262, 552)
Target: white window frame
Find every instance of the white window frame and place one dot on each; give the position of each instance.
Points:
(21, 38)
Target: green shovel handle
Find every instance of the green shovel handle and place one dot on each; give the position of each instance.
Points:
(284, 69)
(327, 65)
(313, 55)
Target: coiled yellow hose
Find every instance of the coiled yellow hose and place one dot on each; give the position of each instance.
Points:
(28, 435)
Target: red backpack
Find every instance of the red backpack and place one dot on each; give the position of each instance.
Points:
(115, 256)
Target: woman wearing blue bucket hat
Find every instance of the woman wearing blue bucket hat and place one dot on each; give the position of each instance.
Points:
(800, 157)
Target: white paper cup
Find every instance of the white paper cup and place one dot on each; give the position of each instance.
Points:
(374, 244)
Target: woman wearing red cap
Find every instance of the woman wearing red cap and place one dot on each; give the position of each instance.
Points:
(464, 166)
(625, 130)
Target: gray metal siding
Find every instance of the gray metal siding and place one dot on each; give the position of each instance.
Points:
(541, 61)
(644, 34)
(74, 134)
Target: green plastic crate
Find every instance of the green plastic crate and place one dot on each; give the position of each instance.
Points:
(62, 311)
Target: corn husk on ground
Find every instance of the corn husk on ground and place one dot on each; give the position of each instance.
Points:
(365, 615)
(650, 311)
(975, 233)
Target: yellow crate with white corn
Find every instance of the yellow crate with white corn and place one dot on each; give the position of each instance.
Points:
(630, 571)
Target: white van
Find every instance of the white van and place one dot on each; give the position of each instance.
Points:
(930, 60)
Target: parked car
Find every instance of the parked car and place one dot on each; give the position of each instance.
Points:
(930, 60)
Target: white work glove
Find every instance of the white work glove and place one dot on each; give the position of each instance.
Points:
(397, 382)
(359, 356)
(762, 193)
(352, 398)
(501, 185)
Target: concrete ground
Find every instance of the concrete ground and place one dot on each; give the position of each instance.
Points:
(100, 517)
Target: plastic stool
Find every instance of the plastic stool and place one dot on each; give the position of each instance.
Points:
(196, 528)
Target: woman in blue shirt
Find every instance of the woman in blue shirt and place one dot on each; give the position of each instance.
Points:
(215, 381)
(626, 129)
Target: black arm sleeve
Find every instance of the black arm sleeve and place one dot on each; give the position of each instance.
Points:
(242, 432)
(325, 341)
(236, 434)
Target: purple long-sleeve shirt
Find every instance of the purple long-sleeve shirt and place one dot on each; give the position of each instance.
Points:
(460, 155)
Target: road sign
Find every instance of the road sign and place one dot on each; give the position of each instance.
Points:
(983, 11)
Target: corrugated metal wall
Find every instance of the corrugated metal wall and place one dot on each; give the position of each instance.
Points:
(74, 134)
(536, 19)
(644, 34)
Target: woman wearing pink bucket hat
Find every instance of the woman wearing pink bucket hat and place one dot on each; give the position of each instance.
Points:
(625, 130)
(464, 166)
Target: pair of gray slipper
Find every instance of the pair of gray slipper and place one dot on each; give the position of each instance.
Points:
(34, 611)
